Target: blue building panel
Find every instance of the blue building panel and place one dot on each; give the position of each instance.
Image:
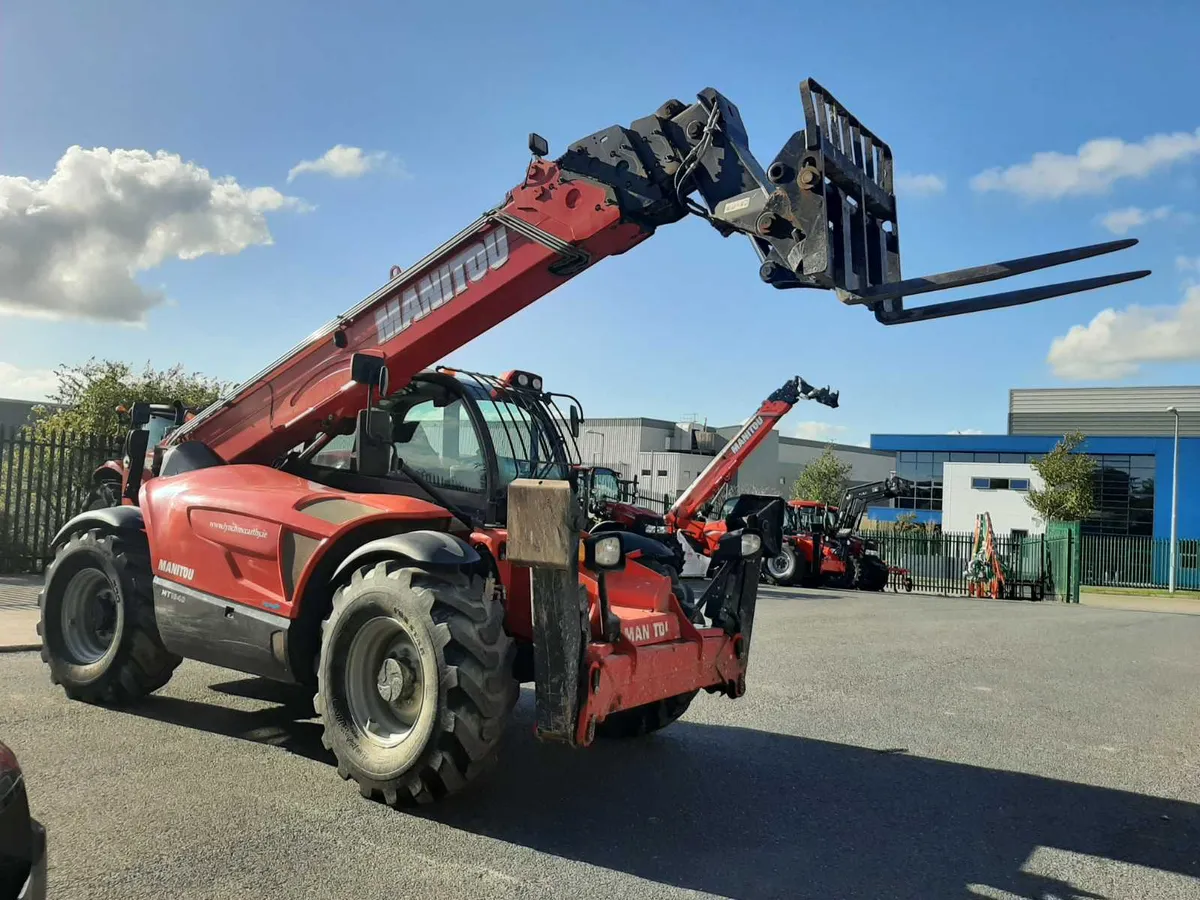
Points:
(1159, 447)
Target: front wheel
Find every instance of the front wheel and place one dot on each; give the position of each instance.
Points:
(783, 567)
(99, 636)
(646, 719)
(415, 681)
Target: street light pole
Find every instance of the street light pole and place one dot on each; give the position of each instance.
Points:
(1174, 502)
(599, 434)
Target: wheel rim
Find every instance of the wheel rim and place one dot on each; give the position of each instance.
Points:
(780, 564)
(90, 616)
(385, 682)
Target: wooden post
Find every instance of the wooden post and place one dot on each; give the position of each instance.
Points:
(544, 524)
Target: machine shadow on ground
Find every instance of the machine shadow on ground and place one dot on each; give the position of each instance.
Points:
(752, 814)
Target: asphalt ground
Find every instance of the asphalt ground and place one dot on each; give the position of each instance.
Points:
(888, 746)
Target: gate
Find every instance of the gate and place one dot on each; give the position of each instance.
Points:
(44, 480)
(1035, 565)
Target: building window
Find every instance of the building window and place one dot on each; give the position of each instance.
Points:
(645, 473)
(662, 473)
(1124, 486)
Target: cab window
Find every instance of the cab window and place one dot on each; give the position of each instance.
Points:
(605, 486)
(440, 445)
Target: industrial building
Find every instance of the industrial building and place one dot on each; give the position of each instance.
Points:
(1130, 433)
(666, 456)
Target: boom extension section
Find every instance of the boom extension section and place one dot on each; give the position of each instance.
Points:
(821, 215)
(856, 500)
(754, 430)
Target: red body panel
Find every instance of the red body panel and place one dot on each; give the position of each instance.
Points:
(220, 530)
(627, 514)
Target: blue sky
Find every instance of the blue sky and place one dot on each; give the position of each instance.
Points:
(681, 325)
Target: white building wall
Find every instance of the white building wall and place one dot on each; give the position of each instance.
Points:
(961, 503)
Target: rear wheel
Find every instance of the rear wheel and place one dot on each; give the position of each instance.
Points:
(784, 566)
(414, 682)
(97, 623)
(642, 720)
(871, 573)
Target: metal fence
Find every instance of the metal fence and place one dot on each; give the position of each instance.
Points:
(44, 480)
(1036, 565)
(1136, 561)
(1067, 560)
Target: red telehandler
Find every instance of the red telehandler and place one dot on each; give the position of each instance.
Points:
(416, 588)
(612, 513)
(685, 517)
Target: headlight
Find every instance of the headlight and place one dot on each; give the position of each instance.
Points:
(608, 552)
(523, 380)
(751, 544)
(537, 383)
(604, 551)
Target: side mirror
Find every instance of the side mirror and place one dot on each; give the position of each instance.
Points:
(604, 552)
(365, 368)
(576, 419)
(372, 454)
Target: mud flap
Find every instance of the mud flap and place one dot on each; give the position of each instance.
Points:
(544, 523)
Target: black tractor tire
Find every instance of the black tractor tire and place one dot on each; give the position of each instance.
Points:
(870, 573)
(784, 568)
(99, 635)
(683, 592)
(646, 719)
(103, 494)
(440, 651)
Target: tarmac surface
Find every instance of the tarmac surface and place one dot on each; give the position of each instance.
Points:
(888, 746)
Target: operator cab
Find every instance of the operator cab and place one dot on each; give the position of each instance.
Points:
(466, 435)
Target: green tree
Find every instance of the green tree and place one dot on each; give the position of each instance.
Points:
(906, 522)
(89, 395)
(824, 480)
(1068, 495)
(46, 469)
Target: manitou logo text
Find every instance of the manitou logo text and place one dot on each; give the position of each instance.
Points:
(443, 284)
(745, 436)
(173, 568)
(234, 528)
(637, 633)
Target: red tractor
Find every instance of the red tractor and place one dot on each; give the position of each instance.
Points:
(818, 531)
(157, 420)
(414, 589)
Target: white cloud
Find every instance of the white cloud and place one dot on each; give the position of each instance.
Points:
(70, 246)
(1120, 221)
(1093, 169)
(965, 431)
(26, 384)
(920, 185)
(818, 431)
(1115, 344)
(341, 161)
(1187, 263)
